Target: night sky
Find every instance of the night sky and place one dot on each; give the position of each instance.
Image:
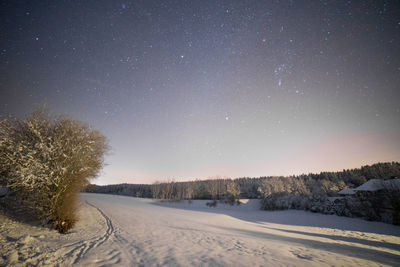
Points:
(198, 89)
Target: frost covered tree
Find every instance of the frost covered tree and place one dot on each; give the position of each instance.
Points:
(47, 161)
(232, 192)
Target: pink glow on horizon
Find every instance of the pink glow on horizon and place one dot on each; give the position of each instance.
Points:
(334, 153)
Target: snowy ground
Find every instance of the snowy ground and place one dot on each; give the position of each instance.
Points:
(129, 231)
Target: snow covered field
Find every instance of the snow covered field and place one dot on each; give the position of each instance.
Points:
(125, 231)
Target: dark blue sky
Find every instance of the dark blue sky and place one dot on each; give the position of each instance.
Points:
(195, 89)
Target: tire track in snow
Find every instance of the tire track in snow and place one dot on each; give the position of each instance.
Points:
(84, 247)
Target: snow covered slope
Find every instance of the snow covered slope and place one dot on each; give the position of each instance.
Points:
(125, 231)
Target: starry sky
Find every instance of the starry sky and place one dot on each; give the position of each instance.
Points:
(198, 89)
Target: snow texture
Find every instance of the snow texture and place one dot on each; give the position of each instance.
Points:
(371, 185)
(126, 231)
(347, 191)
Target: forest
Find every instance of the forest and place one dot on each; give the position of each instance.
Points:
(311, 185)
(312, 192)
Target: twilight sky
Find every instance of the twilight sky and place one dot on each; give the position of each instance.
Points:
(196, 89)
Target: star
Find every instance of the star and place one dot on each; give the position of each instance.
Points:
(179, 70)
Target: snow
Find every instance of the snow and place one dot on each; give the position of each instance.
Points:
(126, 231)
(333, 199)
(392, 184)
(347, 191)
(371, 185)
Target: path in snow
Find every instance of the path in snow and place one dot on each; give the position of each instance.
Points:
(125, 231)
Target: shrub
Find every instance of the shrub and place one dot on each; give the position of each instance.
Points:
(47, 161)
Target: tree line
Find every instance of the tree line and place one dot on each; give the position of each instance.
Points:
(277, 192)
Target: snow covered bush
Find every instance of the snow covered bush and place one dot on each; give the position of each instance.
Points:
(284, 201)
(47, 161)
